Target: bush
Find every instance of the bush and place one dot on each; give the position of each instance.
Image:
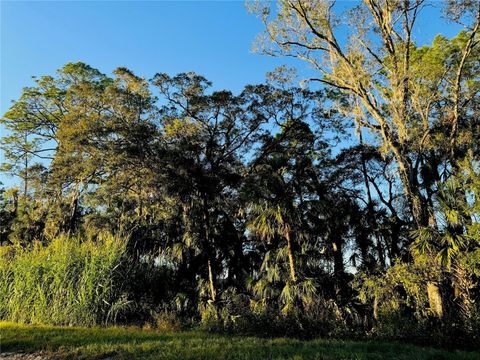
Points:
(236, 313)
(70, 281)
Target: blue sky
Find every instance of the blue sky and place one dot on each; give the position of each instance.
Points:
(211, 38)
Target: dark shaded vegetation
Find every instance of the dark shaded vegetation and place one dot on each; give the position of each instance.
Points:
(348, 210)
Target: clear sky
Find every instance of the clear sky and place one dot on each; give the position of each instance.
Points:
(211, 38)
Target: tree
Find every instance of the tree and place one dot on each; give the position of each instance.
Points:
(455, 244)
(204, 136)
(385, 75)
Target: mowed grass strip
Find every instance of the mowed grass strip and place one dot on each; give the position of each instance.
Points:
(134, 343)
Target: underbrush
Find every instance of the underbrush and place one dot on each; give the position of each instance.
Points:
(70, 281)
(78, 281)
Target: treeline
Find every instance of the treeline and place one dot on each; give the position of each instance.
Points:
(348, 209)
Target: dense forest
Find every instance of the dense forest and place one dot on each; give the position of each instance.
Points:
(343, 204)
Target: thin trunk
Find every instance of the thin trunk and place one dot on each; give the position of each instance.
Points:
(207, 246)
(25, 178)
(213, 292)
(15, 203)
(337, 256)
(362, 242)
(291, 258)
(370, 205)
(365, 174)
(395, 240)
(375, 307)
(380, 252)
(73, 208)
(338, 267)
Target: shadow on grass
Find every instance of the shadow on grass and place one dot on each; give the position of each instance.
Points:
(132, 343)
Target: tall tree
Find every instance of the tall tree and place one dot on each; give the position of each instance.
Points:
(401, 93)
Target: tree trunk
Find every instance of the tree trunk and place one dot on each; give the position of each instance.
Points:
(381, 254)
(208, 249)
(25, 178)
(362, 242)
(291, 258)
(395, 240)
(435, 299)
(370, 209)
(462, 283)
(211, 283)
(73, 208)
(337, 256)
(375, 307)
(338, 267)
(15, 203)
(416, 201)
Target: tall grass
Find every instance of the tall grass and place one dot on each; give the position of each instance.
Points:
(70, 281)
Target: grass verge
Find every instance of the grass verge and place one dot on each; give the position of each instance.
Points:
(134, 343)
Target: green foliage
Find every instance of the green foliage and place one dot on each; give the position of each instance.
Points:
(400, 287)
(70, 281)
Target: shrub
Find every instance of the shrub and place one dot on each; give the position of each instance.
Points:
(237, 313)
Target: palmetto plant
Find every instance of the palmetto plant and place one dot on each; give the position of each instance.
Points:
(269, 222)
(449, 239)
(455, 241)
(280, 277)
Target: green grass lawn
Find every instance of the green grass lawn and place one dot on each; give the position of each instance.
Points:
(133, 343)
